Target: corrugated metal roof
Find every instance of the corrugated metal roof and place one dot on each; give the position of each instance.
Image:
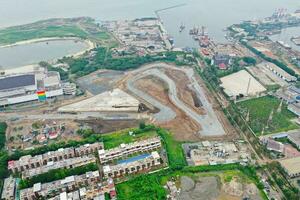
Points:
(17, 81)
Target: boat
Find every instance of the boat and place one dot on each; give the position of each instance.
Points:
(181, 28)
(194, 31)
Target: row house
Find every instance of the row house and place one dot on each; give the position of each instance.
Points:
(67, 185)
(88, 193)
(9, 189)
(69, 163)
(124, 150)
(28, 162)
(132, 166)
(88, 149)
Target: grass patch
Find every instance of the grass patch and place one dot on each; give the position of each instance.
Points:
(146, 187)
(174, 150)
(230, 174)
(115, 139)
(260, 110)
(3, 127)
(17, 34)
(83, 27)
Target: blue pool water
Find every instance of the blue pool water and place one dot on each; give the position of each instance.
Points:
(129, 160)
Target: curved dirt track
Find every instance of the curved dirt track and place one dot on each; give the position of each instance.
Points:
(209, 122)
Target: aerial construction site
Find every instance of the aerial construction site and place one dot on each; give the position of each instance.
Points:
(159, 93)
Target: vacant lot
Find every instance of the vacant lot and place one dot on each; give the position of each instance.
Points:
(223, 185)
(267, 115)
(241, 83)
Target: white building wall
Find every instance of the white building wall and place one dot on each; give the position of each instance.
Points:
(54, 93)
(33, 97)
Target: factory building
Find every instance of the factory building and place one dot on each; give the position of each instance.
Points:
(294, 138)
(128, 149)
(19, 88)
(291, 167)
(280, 72)
(28, 162)
(132, 165)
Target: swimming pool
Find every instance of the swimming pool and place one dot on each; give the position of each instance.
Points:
(129, 160)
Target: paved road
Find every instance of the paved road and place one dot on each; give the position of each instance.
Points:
(209, 122)
(79, 116)
(165, 113)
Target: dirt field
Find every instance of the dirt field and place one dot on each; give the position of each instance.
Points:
(210, 187)
(184, 92)
(205, 188)
(241, 83)
(100, 81)
(183, 128)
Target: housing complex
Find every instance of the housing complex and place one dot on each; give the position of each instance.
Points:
(54, 159)
(123, 150)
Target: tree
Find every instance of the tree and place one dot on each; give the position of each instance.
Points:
(249, 60)
(142, 125)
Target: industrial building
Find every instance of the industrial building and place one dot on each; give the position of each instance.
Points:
(85, 186)
(290, 95)
(214, 152)
(291, 166)
(294, 137)
(28, 162)
(9, 188)
(280, 72)
(295, 108)
(132, 165)
(128, 149)
(273, 145)
(19, 88)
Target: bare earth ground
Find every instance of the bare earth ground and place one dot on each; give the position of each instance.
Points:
(183, 128)
(184, 92)
(211, 188)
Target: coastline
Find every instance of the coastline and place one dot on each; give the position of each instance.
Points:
(24, 68)
(37, 40)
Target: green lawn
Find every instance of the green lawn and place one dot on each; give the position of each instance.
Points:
(146, 187)
(17, 34)
(60, 27)
(115, 139)
(260, 110)
(174, 150)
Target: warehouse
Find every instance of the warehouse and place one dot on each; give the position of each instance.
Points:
(291, 166)
(19, 88)
(294, 137)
